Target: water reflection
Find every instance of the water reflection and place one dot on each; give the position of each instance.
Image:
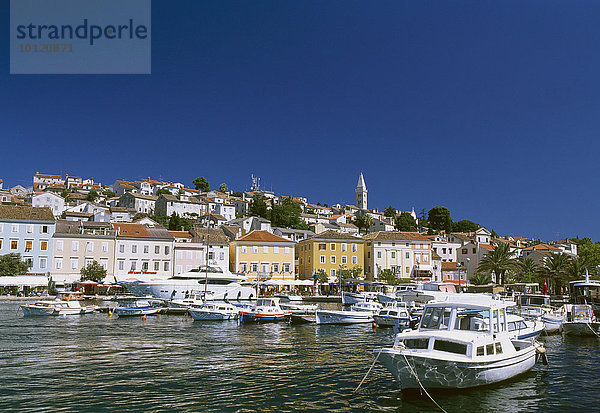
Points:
(96, 362)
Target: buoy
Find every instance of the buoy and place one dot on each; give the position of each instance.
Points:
(144, 317)
(541, 351)
(374, 324)
(109, 313)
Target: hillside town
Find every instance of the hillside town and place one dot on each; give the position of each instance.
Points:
(145, 229)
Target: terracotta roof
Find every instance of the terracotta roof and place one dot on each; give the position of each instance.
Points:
(78, 214)
(48, 176)
(27, 213)
(449, 266)
(142, 196)
(416, 236)
(487, 247)
(215, 235)
(388, 235)
(263, 236)
(180, 234)
(541, 247)
(131, 230)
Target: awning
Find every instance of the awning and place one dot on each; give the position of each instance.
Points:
(87, 283)
(24, 281)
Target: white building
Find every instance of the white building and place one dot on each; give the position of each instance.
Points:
(51, 200)
(140, 203)
(183, 206)
(226, 210)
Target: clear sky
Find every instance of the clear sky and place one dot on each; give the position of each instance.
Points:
(490, 108)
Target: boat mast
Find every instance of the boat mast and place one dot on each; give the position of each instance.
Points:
(207, 254)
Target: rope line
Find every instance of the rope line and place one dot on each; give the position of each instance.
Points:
(590, 327)
(369, 371)
(420, 384)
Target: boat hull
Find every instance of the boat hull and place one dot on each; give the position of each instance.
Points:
(176, 290)
(31, 311)
(390, 321)
(552, 324)
(205, 315)
(352, 298)
(581, 329)
(251, 317)
(443, 374)
(343, 317)
(136, 311)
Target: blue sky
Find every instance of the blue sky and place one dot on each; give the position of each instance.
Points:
(488, 108)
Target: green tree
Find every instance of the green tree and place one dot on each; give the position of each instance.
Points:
(555, 268)
(498, 262)
(201, 183)
(223, 187)
(363, 221)
(93, 272)
(422, 217)
(388, 276)
(440, 219)
(494, 234)
(92, 196)
(108, 194)
(64, 193)
(258, 207)
(405, 222)
(322, 277)
(528, 270)
(174, 222)
(162, 191)
(576, 269)
(11, 264)
(589, 251)
(464, 225)
(238, 194)
(480, 278)
(348, 273)
(287, 214)
(390, 211)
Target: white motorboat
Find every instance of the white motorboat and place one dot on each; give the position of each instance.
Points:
(537, 307)
(136, 306)
(462, 342)
(300, 308)
(349, 298)
(394, 314)
(358, 313)
(193, 299)
(214, 311)
(580, 321)
(286, 296)
(220, 285)
(67, 303)
(265, 310)
(522, 328)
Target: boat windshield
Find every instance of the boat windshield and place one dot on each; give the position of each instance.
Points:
(437, 318)
(472, 320)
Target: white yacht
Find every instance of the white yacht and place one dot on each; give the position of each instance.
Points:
(214, 311)
(537, 307)
(359, 313)
(521, 328)
(581, 321)
(220, 284)
(67, 303)
(461, 342)
(128, 306)
(394, 313)
(265, 310)
(287, 296)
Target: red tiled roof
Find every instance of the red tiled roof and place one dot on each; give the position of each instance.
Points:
(449, 266)
(180, 234)
(263, 236)
(131, 230)
(541, 247)
(487, 247)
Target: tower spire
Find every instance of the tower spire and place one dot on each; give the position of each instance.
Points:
(361, 192)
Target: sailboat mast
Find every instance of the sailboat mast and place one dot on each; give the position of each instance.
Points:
(207, 255)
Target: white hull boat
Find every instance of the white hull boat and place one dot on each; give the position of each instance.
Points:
(65, 304)
(214, 312)
(581, 321)
(352, 298)
(460, 343)
(343, 317)
(287, 297)
(135, 306)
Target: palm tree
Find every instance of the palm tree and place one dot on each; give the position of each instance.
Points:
(555, 268)
(576, 269)
(528, 270)
(480, 278)
(363, 221)
(498, 262)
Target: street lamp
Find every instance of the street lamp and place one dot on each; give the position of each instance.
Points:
(458, 267)
(435, 267)
(467, 275)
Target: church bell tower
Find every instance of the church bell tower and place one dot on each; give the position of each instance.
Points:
(361, 192)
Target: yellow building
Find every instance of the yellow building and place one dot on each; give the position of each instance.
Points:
(330, 251)
(262, 254)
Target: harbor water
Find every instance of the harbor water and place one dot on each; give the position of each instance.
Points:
(171, 363)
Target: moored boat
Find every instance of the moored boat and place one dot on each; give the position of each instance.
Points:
(394, 314)
(135, 306)
(214, 311)
(358, 313)
(460, 343)
(265, 310)
(581, 321)
(67, 303)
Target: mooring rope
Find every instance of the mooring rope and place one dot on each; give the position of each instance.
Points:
(369, 371)
(590, 327)
(421, 384)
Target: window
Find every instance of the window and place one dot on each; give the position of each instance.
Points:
(344, 259)
(474, 250)
(333, 272)
(286, 250)
(333, 259)
(255, 249)
(15, 227)
(44, 245)
(379, 243)
(286, 267)
(480, 351)
(243, 249)
(28, 245)
(58, 263)
(443, 250)
(74, 263)
(167, 250)
(322, 247)
(211, 255)
(133, 265)
(417, 343)
(498, 348)
(407, 255)
(221, 255)
(254, 267)
(275, 250)
(407, 270)
(378, 254)
(322, 259)
(44, 229)
(332, 246)
(75, 245)
(275, 267)
(425, 257)
(464, 250)
(104, 247)
(0, 243)
(14, 244)
(450, 347)
(489, 349)
(166, 266)
(189, 255)
(122, 248)
(344, 246)
(59, 245)
(146, 249)
(437, 318)
(89, 246)
(29, 261)
(354, 247)
(156, 266)
(354, 259)
(134, 249)
(157, 249)
(121, 264)
(265, 249)
(29, 228)
(88, 262)
(393, 254)
(243, 267)
(145, 266)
